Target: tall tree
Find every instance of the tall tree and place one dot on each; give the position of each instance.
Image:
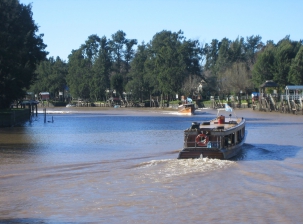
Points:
(117, 43)
(171, 60)
(263, 68)
(101, 71)
(78, 76)
(237, 50)
(80, 67)
(138, 85)
(21, 49)
(224, 56)
(211, 51)
(129, 52)
(51, 76)
(286, 50)
(57, 80)
(253, 44)
(296, 69)
(43, 71)
(116, 82)
(237, 78)
(122, 54)
(90, 48)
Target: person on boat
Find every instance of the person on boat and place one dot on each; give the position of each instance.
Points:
(189, 100)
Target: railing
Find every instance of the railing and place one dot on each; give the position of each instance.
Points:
(291, 97)
(213, 144)
(210, 144)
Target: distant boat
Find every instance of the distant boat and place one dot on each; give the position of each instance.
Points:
(220, 138)
(188, 109)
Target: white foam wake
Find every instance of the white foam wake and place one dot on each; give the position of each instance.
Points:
(162, 169)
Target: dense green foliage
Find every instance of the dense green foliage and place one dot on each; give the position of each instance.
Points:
(157, 68)
(168, 65)
(296, 69)
(20, 50)
(51, 77)
(280, 62)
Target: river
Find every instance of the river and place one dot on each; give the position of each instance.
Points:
(119, 166)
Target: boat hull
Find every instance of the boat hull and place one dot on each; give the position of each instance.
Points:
(188, 109)
(227, 153)
(200, 153)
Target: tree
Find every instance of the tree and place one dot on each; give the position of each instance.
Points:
(57, 80)
(224, 58)
(211, 51)
(43, 71)
(117, 44)
(296, 68)
(116, 82)
(80, 67)
(90, 48)
(237, 78)
(51, 76)
(101, 70)
(129, 52)
(253, 45)
(172, 59)
(122, 54)
(78, 74)
(21, 49)
(286, 50)
(263, 68)
(237, 50)
(138, 84)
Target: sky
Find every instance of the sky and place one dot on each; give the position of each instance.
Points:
(66, 24)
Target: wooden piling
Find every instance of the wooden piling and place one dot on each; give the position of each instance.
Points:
(44, 110)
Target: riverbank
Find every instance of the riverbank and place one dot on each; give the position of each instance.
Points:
(14, 117)
(106, 110)
(154, 110)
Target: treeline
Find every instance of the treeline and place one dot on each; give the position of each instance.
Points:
(170, 64)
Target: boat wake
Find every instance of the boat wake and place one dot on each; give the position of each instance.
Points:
(55, 112)
(267, 152)
(175, 113)
(159, 170)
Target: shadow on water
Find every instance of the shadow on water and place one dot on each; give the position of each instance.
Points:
(267, 152)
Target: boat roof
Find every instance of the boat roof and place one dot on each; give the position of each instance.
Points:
(269, 83)
(227, 127)
(44, 93)
(294, 87)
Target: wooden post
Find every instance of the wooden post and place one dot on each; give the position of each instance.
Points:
(44, 110)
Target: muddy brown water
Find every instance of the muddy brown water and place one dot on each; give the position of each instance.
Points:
(119, 166)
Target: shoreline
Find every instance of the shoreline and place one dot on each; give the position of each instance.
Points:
(103, 110)
(245, 112)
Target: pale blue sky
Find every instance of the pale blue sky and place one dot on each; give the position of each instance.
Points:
(66, 24)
